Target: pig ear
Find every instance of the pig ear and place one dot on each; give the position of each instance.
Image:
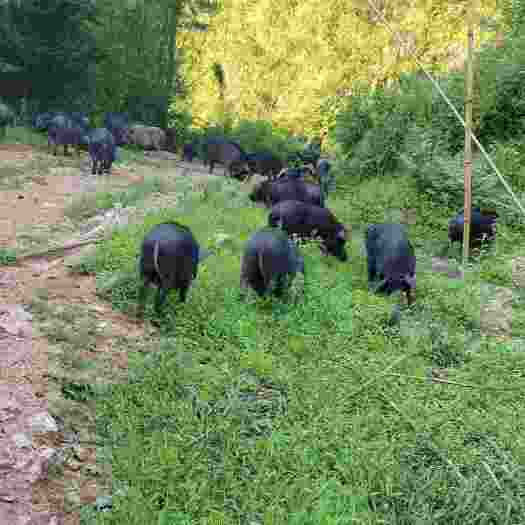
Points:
(410, 280)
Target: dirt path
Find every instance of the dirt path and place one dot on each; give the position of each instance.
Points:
(33, 444)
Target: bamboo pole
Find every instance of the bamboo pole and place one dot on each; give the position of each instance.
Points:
(468, 139)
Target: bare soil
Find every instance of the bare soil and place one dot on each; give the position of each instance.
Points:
(37, 188)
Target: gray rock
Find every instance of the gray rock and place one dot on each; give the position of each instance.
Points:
(22, 440)
(104, 503)
(43, 422)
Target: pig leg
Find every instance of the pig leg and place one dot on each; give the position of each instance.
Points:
(183, 293)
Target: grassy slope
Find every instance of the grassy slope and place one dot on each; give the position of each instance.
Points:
(274, 413)
(271, 413)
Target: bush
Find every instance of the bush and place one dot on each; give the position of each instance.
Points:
(415, 97)
(441, 176)
(7, 118)
(261, 135)
(372, 127)
(181, 120)
(147, 109)
(379, 132)
(510, 160)
(253, 136)
(503, 97)
(444, 128)
(352, 122)
(7, 256)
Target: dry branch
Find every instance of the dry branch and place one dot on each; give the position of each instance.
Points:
(53, 249)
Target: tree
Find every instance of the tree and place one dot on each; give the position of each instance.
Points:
(52, 45)
(282, 58)
(143, 63)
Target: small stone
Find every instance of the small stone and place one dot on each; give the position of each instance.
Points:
(80, 453)
(22, 440)
(72, 499)
(53, 456)
(43, 422)
(104, 503)
(75, 466)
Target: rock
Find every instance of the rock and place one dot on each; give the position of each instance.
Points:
(80, 453)
(104, 503)
(518, 272)
(22, 440)
(496, 311)
(43, 422)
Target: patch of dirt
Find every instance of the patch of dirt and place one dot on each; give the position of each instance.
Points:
(496, 312)
(442, 265)
(28, 494)
(162, 155)
(25, 362)
(518, 272)
(13, 148)
(496, 301)
(43, 199)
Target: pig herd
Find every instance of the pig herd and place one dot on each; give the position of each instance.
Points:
(239, 164)
(170, 254)
(271, 259)
(73, 129)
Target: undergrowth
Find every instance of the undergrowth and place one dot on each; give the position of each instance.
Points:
(313, 410)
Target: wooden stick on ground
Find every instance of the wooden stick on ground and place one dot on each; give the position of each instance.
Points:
(54, 249)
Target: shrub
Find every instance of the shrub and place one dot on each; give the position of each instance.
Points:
(7, 256)
(352, 122)
(181, 120)
(441, 176)
(503, 97)
(371, 130)
(253, 136)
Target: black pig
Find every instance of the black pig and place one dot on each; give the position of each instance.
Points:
(169, 259)
(391, 259)
(270, 262)
(227, 153)
(482, 226)
(284, 190)
(188, 152)
(63, 130)
(118, 125)
(265, 163)
(306, 220)
(102, 150)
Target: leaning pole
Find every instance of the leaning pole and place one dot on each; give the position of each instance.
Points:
(468, 130)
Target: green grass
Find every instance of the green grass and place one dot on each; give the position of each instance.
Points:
(11, 177)
(7, 256)
(89, 204)
(314, 412)
(23, 135)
